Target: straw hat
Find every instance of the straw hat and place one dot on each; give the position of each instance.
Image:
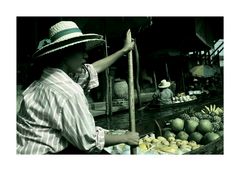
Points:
(65, 34)
(164, 84)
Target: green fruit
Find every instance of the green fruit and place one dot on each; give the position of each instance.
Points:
(217, 119)
(177, 124)
(166, 129)
(190, 126)
(206, 116)
(195, 136)
(220, 133)
(184, 116)
(182, 135)
(216, 126)
(168, 134)
(210, 137)
(194, 118)
(198, 115)
(205, 126)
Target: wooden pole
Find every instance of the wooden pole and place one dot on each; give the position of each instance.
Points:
(167, 73)
(137, 75)
(131, 92)
(155, 81)
(110, 103)
(107, 81)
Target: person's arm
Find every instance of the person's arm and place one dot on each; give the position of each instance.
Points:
(130, 138)
(156, 94)
(104, 63)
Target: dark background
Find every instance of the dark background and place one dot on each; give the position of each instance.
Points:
(160, 40)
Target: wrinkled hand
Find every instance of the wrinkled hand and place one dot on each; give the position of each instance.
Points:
(129, 42)
(132, 138)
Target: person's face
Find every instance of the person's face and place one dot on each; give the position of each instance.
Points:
(76, 60)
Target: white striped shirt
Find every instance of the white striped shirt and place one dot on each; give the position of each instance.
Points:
(54, 112)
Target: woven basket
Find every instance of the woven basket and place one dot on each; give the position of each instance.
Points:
(120, 89)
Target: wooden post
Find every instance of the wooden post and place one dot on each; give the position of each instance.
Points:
(155, 81)
(167, 73)
(131, 92)
(110, 103)
(108, 85)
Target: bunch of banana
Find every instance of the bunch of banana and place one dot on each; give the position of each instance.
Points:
(166, 149)
(212, 109)
(162, 145)
(144, 147)
(145, 143)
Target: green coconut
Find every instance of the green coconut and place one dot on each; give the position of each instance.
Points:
(195, 136)
(209, 137)
(190, 126)
(220, 133)
(182, 135)
(168, 134)
(205, 126)
(177, 125)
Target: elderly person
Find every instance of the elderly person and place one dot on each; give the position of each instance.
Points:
(54, 115)
(163, 95)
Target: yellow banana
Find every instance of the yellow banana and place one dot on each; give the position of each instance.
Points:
(220, 110)
(217, 111)
(214, 107)
(211, 108)
(168, 149)
(149, 145)
(203, 111)
(207, 108)
(143, 147)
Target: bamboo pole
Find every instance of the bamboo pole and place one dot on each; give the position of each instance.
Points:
(110, 103)
(167, 72)
(137, 75)
(107, 82)
(131, 92)
(155, 81)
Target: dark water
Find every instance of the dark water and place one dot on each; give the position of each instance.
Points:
(145, 118)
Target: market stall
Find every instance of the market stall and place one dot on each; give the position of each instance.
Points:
(191, 124)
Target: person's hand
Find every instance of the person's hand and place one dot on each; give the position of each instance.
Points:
(132, 138)
(129, 42)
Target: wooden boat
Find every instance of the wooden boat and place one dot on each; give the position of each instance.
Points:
(215, 147)
(157, 105)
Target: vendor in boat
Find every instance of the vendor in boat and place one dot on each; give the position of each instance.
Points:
(164, 95)
(54, 117)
